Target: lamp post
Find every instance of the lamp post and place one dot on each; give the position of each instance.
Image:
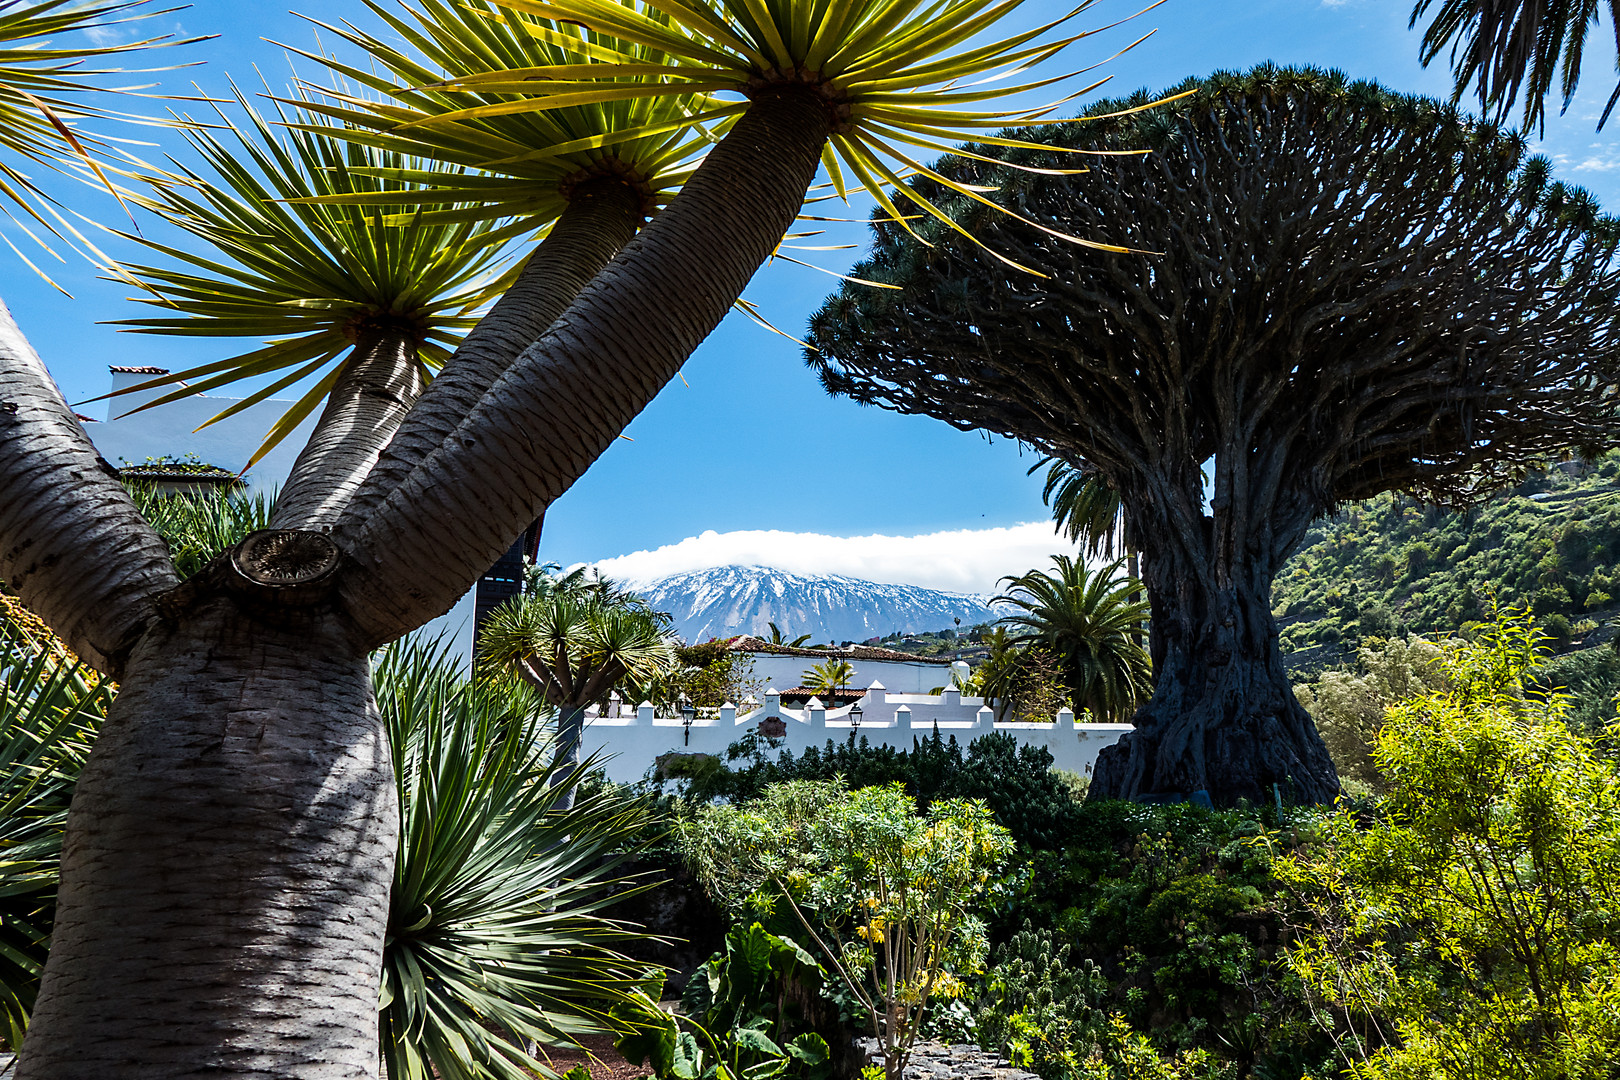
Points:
(855, 717)
(688, 714)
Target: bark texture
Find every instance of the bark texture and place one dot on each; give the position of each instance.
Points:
(1223, 718)
(228, 858)
(380, 383)
(72, 544)
(570, 394)
(600, 219)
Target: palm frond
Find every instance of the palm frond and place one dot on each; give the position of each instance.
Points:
(1088, 619)
(538, 156)
(891, 69)
(304, 281)
(51, 706)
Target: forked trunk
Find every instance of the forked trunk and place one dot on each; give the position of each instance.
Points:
(230, 848)
(600, 219)
(565, 400)
(380, 384)
(1223, 718)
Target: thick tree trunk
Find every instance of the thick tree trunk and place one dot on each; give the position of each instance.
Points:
(230, 849)
(571, 393)
(570, 731)
(72, 544)
(1223, 718)
(378, 387)
(600, 219)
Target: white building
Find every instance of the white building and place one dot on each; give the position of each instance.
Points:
(630, 741)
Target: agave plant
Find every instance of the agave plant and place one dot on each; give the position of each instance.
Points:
(197, 527)
(50, 708)
(1086, 618)
(496, 937)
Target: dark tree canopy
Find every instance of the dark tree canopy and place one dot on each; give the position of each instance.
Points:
(1338, 291)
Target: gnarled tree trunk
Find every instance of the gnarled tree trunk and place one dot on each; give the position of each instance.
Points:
(230, 848)
(1223, 718)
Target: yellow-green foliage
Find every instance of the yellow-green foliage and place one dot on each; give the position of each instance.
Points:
(1470, 931)
(886, 894)
(1349, 708)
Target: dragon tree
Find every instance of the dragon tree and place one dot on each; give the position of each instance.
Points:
(1334, 291)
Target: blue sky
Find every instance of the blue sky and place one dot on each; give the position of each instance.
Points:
(749, 443)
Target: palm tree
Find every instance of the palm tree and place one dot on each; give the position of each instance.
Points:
(574, 647)
(1086, 618)
(1089, 512)
(246, 704)
(778, 638)
(1500, 47)
(829, 676)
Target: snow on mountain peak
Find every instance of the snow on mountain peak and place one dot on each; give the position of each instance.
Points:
(723, 601)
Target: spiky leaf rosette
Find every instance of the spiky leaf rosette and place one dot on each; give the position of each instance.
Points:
(576, 646)
(496, 935)
(890, 68)
(44, 80)
(531, 159)
(305, 279)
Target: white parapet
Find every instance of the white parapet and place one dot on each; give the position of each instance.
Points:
(632, 742)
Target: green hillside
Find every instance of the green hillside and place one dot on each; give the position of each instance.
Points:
(1392, 566)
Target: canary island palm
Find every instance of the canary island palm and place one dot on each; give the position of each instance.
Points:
(43, 103)
(363, 308)
(595, 169)
(857, 84)
(1087, 619)
(496, 938)
(575, 647)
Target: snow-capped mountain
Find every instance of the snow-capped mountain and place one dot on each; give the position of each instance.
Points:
(723, 601)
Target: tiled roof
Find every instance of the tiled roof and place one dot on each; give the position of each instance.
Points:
(853, 652)
(835, 698)
(116, 370)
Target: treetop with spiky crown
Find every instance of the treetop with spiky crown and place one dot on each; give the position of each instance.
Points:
(888, 70)
(308, 280)
(534, 159)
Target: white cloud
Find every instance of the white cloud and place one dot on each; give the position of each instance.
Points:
(961, 560)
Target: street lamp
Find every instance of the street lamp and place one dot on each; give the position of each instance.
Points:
(688, 714)
(855, 717)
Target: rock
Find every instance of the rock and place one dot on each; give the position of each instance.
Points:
(939, 1061)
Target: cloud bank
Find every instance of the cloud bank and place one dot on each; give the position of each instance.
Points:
(961, 560)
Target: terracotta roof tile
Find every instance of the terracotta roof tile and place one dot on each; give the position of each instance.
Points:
(853, 652)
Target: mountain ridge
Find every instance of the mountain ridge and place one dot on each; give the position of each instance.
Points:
(724, 601)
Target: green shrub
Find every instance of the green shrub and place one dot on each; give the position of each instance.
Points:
(1040, 1012)
(1472, 929)
(886, 895)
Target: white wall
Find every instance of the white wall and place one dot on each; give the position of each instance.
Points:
(631, 742)
(783, 672)
(170, 430)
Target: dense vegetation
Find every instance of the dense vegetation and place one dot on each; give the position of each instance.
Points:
(1391, 566)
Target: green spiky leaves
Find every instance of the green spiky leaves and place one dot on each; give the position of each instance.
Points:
(901, 76)
(532, 157)
(47, 68)
(305, 279)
